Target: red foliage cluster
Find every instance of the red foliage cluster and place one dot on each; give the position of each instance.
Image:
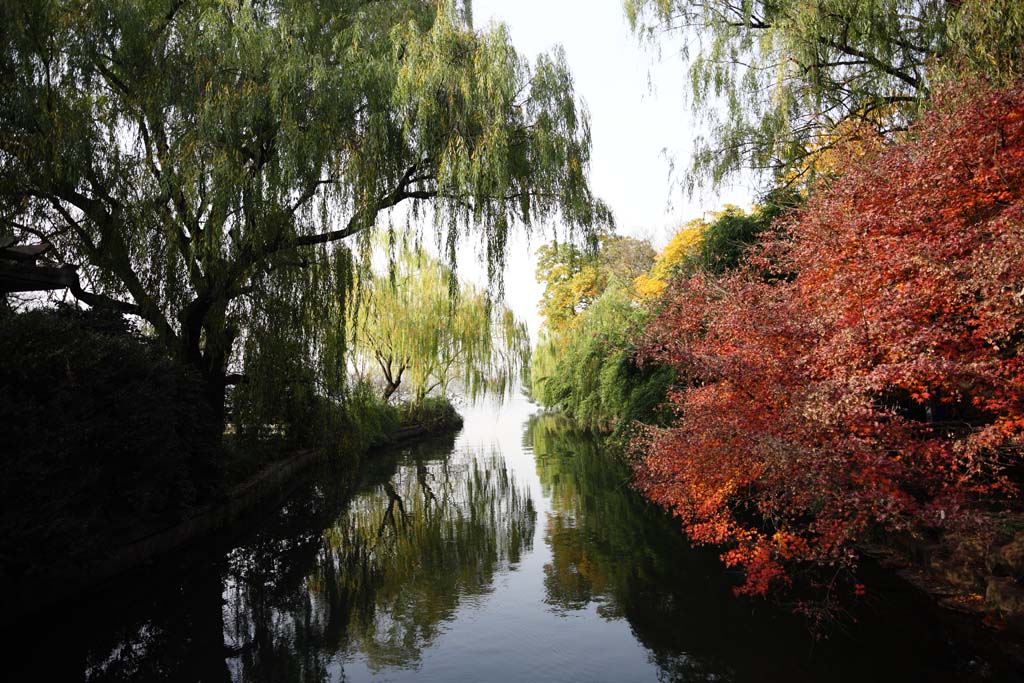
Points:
(877, 380)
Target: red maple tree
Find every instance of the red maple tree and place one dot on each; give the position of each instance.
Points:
(864, 370)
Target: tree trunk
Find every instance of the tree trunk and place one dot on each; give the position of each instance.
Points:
(206, 342)
(391, 384)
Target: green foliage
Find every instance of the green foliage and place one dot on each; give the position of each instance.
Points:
(590, 372)
(726, 238)
(349, 428)
(104, 438)
(203, 162)
(774, 80)
(585, 362)
(579, 383)
(986, 39)
(410, 326)
(431, 411)
(573, 277)
(370, 419)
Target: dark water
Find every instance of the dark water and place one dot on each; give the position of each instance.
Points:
(514, 552)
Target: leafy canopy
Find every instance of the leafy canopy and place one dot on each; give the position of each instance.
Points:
(409, 326)
(776, 80)
(574, 276)
(583, 363)
(877, 384)
(203, 164)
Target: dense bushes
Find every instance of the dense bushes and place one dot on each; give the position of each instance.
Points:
(876, 383)
(801, 379)
(586, 362)
(344, 429)
(591, 373)
(368, 421)
(104, 438)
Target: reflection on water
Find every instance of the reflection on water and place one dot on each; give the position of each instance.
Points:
(378, 574)
(433, 566)
(386, 575)
(611, 549)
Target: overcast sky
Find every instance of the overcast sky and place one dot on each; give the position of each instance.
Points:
(638, 115)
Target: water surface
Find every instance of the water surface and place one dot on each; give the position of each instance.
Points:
(515, 551)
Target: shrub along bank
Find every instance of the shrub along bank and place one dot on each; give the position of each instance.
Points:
(853, 377)
(106, 440)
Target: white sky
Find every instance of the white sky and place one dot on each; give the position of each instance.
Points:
(638, 115)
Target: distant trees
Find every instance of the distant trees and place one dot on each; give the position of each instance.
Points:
(573, 277)
(669, 261)
(875, 382)
(583, 360)
(410, 326)
(204, 163)
(597, 305)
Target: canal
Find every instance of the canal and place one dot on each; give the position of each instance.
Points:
(514, 551)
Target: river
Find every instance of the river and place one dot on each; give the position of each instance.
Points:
(514, 551)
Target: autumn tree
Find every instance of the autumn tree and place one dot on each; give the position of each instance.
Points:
(876, 382)
(205, 164)
(574, 276)
(583, 363)
(408, 325)
(670, 260)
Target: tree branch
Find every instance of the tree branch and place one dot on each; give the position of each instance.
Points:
(96, 300)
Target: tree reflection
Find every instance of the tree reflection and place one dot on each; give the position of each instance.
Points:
(611, 549)
(603, 538)
(385, 575)
(331, 578)
(330, 575)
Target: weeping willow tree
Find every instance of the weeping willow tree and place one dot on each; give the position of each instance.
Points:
(409, 324)
(780, 82)
(203, 165)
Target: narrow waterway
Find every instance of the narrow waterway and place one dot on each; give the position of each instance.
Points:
(514, 551)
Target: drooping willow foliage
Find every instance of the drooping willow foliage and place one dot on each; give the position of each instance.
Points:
(409, 326)
(206, 165)
(294, 351)
(781, 81)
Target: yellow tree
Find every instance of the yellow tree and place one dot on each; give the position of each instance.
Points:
(684, 243)
(574, 278)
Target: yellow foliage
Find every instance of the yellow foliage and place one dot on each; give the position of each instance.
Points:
(650, 285)
(834, 147)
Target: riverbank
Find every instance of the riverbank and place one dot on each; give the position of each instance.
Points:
(976, 594)
(58, 582)
(971, 589)
(448, 559)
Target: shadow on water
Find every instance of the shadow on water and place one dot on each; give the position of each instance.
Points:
(384, 576)
(353, 578)
(378, 572)
(612, 548)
